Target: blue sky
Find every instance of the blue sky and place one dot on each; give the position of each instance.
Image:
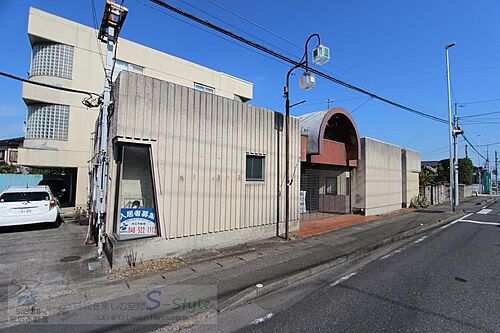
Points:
(391, 47)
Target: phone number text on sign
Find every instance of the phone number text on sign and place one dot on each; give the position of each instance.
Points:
(137, 221)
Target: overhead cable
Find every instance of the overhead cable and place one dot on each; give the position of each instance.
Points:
(293, 62)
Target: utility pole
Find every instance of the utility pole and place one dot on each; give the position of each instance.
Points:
(496, 172)
(328, 103)
(466, 151)
(456, 132)
(111, 24)
(488, 158)
(452, 206)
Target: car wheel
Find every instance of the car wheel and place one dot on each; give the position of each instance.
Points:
(58, 222)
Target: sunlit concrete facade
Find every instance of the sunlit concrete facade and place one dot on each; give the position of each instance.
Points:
(184, 155)
(70, 146)
(386, 178)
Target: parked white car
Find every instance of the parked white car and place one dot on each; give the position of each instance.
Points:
(28, 205)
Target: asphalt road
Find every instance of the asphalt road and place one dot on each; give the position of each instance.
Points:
(446, 280)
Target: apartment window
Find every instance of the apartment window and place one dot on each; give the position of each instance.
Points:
(2, 155)
(331, 186)
(13, 156)
(47, 121)
(125, 66)
(52, 59)
(204, 88)
(255, 168)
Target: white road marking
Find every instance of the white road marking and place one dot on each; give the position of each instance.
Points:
(484, 211)
(401, 249)
(342, 279)
(262, 319)
(479, 222)
(387, 256)
(457, 220)
(420, 239)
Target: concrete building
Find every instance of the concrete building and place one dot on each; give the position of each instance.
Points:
(9, 150)
(330, 152)
(65, 53)
(386, 179)
(194, 170)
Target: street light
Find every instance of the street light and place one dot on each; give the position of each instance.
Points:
(452, 199)
(320, 55)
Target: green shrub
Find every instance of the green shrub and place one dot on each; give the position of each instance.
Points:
(419, 201)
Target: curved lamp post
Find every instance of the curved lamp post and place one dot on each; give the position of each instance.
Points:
(321, 55)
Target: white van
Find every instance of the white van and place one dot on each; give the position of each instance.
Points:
(27, 205)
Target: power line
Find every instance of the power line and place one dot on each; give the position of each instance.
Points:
(211, 33)
(477, 151)
(91, 94)
(420, 134)
(479, 114)
(255, 24)
(362, 104)
(233, 26)
(483, 101)
(489, 144)
(293, 62)
(301, 48)
(96, 29)
(441, 151)
(437, 149)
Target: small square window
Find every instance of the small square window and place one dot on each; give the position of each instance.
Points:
(255, 168)
(13, 156)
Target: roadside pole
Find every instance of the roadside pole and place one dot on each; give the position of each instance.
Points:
(455, 160)
(112, 21)
(496, 173)
(450, 128)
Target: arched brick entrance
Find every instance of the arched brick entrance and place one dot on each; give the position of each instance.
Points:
(330, 149)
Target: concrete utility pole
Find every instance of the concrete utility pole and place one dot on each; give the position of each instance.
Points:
(496, 172)
(111, 24)
(456, 132)
(452, 206)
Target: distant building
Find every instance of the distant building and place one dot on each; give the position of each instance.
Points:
(59, 128)
(9, 149)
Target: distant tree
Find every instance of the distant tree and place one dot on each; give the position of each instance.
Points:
(427, 177)
(465, 171)
(443, 169)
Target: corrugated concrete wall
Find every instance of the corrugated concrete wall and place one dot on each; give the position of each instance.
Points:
(410, 168)
(377, 182)
(199, 144)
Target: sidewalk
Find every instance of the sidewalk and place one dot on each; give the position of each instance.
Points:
(274, 263)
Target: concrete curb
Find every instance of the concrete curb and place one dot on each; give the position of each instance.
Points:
(254, 292)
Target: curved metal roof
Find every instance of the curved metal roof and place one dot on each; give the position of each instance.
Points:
(313, 125)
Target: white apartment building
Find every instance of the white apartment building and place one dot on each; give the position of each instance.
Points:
(59, 128)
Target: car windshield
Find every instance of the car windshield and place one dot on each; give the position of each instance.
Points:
(24, 196)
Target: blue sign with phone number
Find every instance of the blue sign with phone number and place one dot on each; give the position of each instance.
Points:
(137, 221)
